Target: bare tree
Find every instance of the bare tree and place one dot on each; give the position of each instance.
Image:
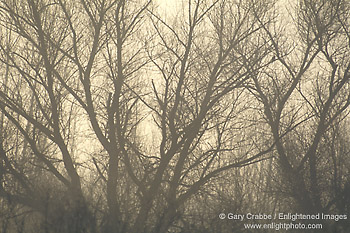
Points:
(304, 95)
(37, 105)
(76, 63)
(198, 103)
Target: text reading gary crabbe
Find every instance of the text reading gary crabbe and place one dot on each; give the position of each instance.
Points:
(283, 216)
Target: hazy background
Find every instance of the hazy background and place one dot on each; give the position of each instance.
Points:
(172, 116)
